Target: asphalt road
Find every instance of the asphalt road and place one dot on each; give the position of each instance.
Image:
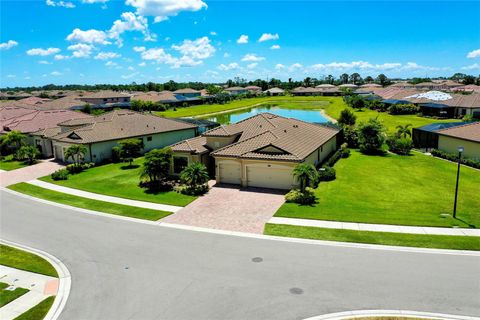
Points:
(127, 270)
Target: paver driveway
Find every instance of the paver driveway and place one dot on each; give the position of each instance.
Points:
(42, 168)
(230, 208)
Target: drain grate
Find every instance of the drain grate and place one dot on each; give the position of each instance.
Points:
(296, 291)
(257, 259)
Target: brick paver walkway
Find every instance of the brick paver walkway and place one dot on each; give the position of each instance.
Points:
(25, 174)
(230, 208)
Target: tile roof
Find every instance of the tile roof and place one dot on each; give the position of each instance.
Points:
(64, 103)
(118, 124)
(235, 89)
(195, 145)
(104, 94)
(186, 90)
(470, 131)
(34, 100)
(294, 139)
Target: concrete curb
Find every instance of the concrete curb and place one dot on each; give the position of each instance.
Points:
(389, 313)
(252, 235)
(63, 276)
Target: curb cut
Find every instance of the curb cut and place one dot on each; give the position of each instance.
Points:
(359, 314)
(65, 279)
(159, 223)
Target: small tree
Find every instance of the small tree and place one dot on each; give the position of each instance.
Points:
(306, 175)
(213, 90)
(130, 148)
(357, 103)
(194, 175)
(28, 153)
(156, 166)
(87, 108)
(77, 153)
(404, 131)
(14, 139)
(347, 117)
(371, 136)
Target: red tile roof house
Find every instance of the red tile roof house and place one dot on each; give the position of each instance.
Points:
(32, 122)
(101, 133)
(260, 151)
(466, 136)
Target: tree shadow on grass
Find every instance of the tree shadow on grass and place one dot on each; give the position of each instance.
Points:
(128, 167)
(467, 223)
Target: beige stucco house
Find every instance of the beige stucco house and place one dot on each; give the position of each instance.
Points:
(466, 136)
(100, 134)
(260, 151)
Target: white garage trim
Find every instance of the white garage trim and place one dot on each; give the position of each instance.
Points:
(229, 172)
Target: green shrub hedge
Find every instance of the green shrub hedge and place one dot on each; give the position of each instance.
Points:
(474, 163)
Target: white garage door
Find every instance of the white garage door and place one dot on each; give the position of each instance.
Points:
(265, 177)
(230, 173)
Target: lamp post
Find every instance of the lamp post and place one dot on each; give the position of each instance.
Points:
(460, 150)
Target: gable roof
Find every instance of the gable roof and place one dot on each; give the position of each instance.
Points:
(470, 131)
(118, 124)
(186, 90)
(195, 145)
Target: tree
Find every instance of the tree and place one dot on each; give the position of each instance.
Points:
(130, 148)
(194, 175)
(347, 117)
(76, 152)
(28, 153)
(307, 82)
(306, 174)
(156, 166)
(357, 103)
(404, 131)
(87, 108)
(355, 78)
(14, 139)
(371, 136)
(329, 79)
(468, 80)
(213, 90)
(344, 78)
(382, 79)
(368, 79)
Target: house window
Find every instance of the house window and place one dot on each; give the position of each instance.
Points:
(179, 163)
(149, 138)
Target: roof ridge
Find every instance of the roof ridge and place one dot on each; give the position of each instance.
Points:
(461, 126)
(242, 141)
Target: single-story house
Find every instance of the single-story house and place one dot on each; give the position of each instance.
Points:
(260, 151)
(236, 90)
(253, 89)
(105, 97)
(275, 91)
(101, 133)
(187, 93)
(322, 91)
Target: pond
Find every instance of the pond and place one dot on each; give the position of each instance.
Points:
(300, 114)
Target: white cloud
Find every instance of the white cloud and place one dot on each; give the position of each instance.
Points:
(295, 66)
(42, 52)
(60, 57)
(357, 65)
(196, 49)
(88, 36)
(94, 1)
(252, 65)
(11, 76)
(162, 9)
(44, 62)
(130, 22)
(65, 4)
(473, 54)
(128, 76)
(159, 55)
(472, 67)
(8, 45)
(268, 36)
(230, 66)
(243, 39)
(279, 66)
(226, 55)
(55, 73)
(142, 64)
(107, 55)
(252, 58)
(213, 33)
(138, 49)
(111, 64)
(81, 50)
(275, 47)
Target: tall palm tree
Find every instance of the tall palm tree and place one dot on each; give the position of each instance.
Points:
(76, 152)
(14, 138)
(195, 174)
(306, 174)
(404, 131)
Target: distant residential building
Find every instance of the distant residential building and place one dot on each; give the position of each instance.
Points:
(236, 90)
(187, 93)
(275, 91)
(104, 97)
(253, 89)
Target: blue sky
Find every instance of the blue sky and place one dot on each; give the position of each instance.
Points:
(121, 41)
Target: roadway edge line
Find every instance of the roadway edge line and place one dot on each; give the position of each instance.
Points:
(389, 313)
(252, 235)
(64, 277)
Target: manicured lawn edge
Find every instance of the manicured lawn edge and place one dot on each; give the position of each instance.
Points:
(90, 204)
(9, 164)
(19, 259)
(370, 237)
(39, 311)
(8, 296)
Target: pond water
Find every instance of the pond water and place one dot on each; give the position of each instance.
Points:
(235, 116)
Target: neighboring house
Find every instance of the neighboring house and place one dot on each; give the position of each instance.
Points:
(260, 151)
(236, 90)
(187, 93)
(101, 133)
(34, 100)
(14, 95)
(202, 124)
(105, 97)
(253, 89)
(275, 91)
(321, 91)
(402, 85)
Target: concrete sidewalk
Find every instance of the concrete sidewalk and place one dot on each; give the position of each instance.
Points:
(376, 227)
(101, 197)
(40, 287)
(42, 168)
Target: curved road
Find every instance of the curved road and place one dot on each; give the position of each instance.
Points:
(128, 270)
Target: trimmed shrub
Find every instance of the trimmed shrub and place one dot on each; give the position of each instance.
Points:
(350, 136)
(73, 168)
(116, 154)
(401, 146)
(474, 163)
(61, 174)
(327, 174)
(191, 191)
(296, 196)
(403, 109)
(344, 150)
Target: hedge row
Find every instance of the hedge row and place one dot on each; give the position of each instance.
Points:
(454, 157)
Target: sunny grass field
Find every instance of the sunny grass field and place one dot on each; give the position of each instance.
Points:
(118, 181)
(405, 190)
(8, 164)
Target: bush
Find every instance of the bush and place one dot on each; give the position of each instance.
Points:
(296, 196)
(327, 174)
(73, 168)
(396, 109)
(401, 146)
(347, 118)
(350, 136)
(61, 174)
(116, 154)
(371, 136)
(474, 163)
(344, 150)
(191, 191)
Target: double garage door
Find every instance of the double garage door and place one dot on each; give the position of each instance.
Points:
(257, 176)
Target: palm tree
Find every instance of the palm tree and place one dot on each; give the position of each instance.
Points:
(28, 153)
(404, 131)
(14, 138)
(306, 174)
(194, 175)
(76, 152)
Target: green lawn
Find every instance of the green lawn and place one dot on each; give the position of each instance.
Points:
(392, 189)
(112, 180)
(8, 164)
(15, 258)
(85, 203)
(384, 238)
(39, 311)
(7, 296)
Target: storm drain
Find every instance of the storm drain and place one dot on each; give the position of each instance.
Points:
(296, 291)
(257, 259)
